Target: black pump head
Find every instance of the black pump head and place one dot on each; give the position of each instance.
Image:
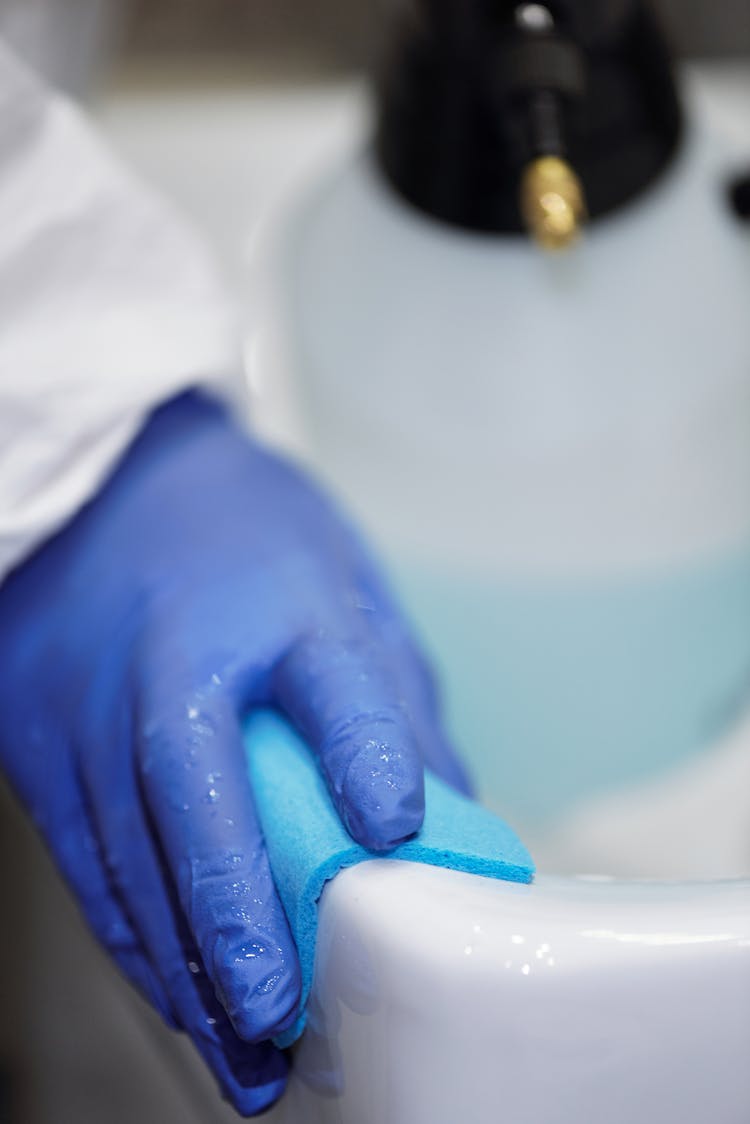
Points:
(473, 92)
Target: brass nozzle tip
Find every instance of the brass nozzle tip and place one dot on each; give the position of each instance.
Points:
(552, 202)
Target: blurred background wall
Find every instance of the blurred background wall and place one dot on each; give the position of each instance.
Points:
(68, 40)
(337, 33)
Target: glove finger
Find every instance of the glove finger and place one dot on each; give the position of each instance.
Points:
(342, 698)
(194, 776)
(409, 669)
(420, 691)
(251, 1077)
(73, 840)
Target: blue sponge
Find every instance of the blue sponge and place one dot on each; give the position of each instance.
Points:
(307, 843)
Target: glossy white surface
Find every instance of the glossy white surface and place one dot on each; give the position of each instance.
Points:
(442, 998)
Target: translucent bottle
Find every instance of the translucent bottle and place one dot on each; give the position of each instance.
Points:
(552, 455)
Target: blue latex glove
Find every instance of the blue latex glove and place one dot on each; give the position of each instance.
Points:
(206, 578)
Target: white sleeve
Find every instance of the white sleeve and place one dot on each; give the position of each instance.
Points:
(108, 305)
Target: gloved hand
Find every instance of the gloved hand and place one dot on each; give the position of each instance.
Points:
(206, 578)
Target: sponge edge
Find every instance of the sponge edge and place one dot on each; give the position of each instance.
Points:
(307, 843)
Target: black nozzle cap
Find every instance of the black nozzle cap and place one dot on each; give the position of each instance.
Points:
(738, 191)
(467, 95)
